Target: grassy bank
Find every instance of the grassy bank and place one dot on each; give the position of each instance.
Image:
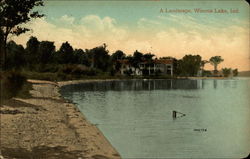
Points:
(13, 84)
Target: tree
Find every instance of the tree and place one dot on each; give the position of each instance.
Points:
(167, 57)
(1, 48)
(215, 61)
(80, 57)
(226, 72)
(31, 50)
(203, 63)
(15, 58)
(13, 13)
(100, 58)
(136, 59)
(148, 57)
(45, 51)
(118, 55)
(65, 53)
(189, 65)
(235, 72)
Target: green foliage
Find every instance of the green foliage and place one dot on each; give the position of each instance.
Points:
(16, 12)
(189, 65)
(45, 51)
(53, 68)
(235, 72)
(136, 59)
(215, 61)
(148, 57)
(100, 58)
(40, 75)
(206, 73)
(13, 13)
(118, 55)
(78, 70)
(11, 84)
(80, 57)
(65, 53)
(226, 71)
(31, 51)
(16, 57)
(118, 66)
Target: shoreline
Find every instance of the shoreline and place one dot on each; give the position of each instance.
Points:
(48, 126)
(72, 82)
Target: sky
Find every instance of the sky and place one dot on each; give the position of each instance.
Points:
(164, 28)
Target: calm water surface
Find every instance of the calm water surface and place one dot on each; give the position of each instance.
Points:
(136, 116)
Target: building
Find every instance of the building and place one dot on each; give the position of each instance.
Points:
(154, 67)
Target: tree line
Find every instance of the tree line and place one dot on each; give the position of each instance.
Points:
(43, 53)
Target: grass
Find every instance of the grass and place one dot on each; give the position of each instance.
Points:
(13, 84)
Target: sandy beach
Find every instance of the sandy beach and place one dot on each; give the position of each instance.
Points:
(47, 126)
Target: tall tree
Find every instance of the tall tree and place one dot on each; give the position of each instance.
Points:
(148, 57)
(66, 53)
(80, 57)
(32, 46)
(118, 55)
(100, 57)
(137, 58)
(15, 58)
(189, 65)
(45, 51)
(215, 61)
(13, 13)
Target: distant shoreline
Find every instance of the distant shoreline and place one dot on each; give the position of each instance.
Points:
(72, 82)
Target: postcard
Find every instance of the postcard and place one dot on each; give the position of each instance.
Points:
(110, 79)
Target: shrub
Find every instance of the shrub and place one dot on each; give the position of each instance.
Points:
(78, 70)
(226, 71)
(11, 83)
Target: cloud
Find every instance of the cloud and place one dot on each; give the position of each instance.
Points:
(230, 42)
(91, 31)
(67, 19)
(146, 23)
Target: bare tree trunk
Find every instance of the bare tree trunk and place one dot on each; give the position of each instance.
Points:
(215, 69)
(4, 53)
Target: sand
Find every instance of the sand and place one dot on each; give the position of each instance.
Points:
(47, 126)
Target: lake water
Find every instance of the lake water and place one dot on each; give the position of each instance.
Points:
(136, 116)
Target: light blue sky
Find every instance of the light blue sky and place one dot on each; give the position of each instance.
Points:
(139, 25)
(129, 12)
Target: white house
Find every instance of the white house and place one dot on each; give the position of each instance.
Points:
(157, 66)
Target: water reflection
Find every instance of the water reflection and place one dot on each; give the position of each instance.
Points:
(215, 84)
(136, 116)
(137, 85)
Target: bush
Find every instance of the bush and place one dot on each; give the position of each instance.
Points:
(48, 68)
(11, 83)
(78, 70)
(226, 71)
